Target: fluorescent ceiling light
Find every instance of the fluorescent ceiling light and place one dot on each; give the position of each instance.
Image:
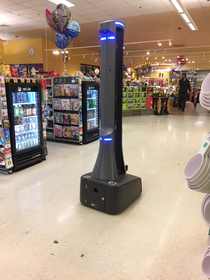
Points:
(184, 13)
(177, 6)
(147, 52)
(67, 3)
(192, 26)
(159, 43)
(185, 17)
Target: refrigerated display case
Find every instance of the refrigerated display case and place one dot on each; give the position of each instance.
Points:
(25, 115)
(90, 111)
(6, 163)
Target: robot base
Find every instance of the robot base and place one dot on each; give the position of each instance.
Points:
(111, 197)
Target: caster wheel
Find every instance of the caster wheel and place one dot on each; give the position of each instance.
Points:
(10, 172)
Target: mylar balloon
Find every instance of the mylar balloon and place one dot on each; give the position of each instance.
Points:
(61, 40)
(59, 6)
(61, 17)
(73, 28)
(50, 21)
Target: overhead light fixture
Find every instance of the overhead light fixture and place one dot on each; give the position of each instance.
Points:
(147, 58)
(96, 60)
(189, 62)
(169, 60)
(185, 17)
(148, 53)
(123, 48)
(67, 51)
(177, 6)
(163, 57)
(169, 43)
(192, 26)
(55, 52)
(177, 56)
(186, 58)
(193, 61)
(83, 56)
(67, 3)
(184, 14)
(159, 43)
(155, 57)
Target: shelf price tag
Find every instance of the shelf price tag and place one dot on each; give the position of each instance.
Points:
(28, 80)
(15, 80)
(22, 80)
(7, 80)
(33, 80)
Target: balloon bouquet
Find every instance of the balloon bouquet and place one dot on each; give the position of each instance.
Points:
(59, 21)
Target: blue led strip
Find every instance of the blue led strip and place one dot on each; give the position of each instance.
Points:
(111, 37)
(108, 139)
(119, 23)
(103, 38)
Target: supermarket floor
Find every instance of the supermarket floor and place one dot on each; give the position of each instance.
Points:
(160, 237)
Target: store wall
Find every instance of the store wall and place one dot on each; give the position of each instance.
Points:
(17, 52)
(54, 62)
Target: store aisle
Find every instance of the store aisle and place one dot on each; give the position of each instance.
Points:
(190, 110)
(160, 237)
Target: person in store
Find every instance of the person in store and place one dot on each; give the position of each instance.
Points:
(184, 84)
(195, 98)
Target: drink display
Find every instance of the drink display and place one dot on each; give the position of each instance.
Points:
(92, 109)
(26, 124)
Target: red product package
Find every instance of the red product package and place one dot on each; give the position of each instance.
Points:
(54, 73)
(14, 70)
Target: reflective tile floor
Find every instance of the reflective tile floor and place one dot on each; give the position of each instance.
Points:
(159, 237)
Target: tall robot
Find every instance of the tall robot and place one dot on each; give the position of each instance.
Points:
(108, 188)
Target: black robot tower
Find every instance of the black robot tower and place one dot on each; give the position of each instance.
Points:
(108, 188)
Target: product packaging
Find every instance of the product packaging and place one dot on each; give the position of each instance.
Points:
(65, 104)
(65, 89)
(58, 131)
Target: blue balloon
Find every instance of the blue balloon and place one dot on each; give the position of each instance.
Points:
(196, 73)
(61, 40)
(73, 28)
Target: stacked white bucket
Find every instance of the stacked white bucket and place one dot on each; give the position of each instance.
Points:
(197, 172)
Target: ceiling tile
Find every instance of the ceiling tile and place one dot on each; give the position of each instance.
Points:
(23, 12)
(107, 3)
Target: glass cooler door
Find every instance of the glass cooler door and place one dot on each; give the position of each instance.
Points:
(92, 109)
(26, 120)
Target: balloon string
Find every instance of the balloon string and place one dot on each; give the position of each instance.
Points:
(71, 42)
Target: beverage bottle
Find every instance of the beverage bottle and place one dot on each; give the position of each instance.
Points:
(24, 111)
(16, 111)
(87, 104)
(27, 110)
(34, 110)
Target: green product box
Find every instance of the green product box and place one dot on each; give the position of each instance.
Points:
(130, 94)
(143, 106)
(143, 100)
(136, 89)
(137, 94)
(137, 101)
(137, 106)
(124, 94)
(125, 89)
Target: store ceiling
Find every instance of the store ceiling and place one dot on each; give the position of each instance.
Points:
(145, 20)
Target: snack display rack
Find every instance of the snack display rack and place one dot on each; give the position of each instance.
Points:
(137, 100)
(6, 162)
(64, 110)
